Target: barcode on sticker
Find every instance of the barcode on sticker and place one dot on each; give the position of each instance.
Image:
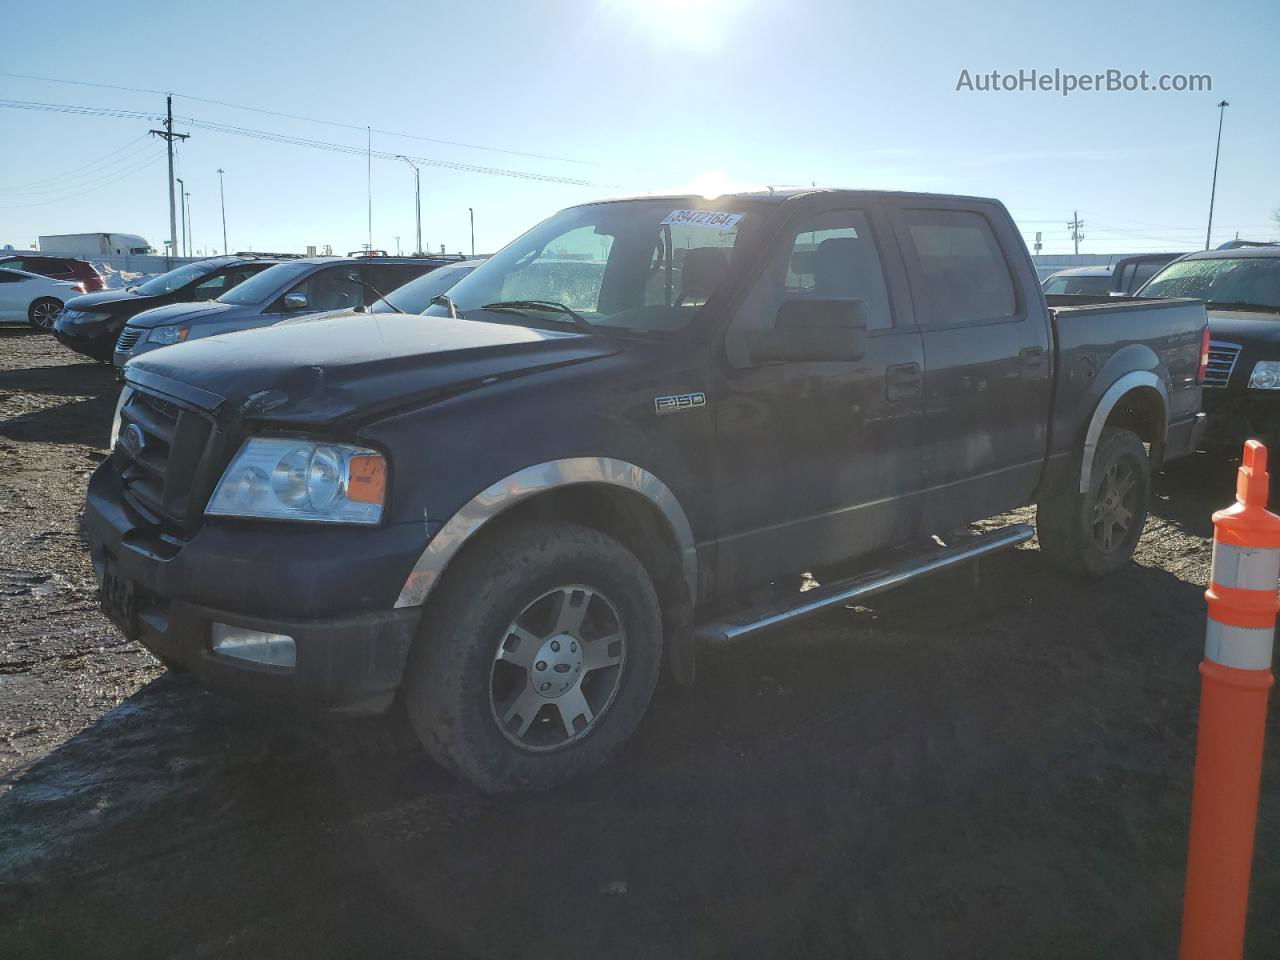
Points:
(703, 218)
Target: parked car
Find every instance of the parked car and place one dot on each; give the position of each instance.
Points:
(56, 268)
(1080, 281)
(509, 513)
(292, 289)
(1122, 278)
(34, 299)
(1241, 290)
(91, 324)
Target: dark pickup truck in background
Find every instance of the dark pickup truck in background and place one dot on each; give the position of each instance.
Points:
(603, 446)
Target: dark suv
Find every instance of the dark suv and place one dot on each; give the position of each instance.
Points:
(57, 268)
(91, 324)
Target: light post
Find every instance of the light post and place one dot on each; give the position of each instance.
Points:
(1222, 112)
(473, 230)
(417, 196)
(186, 197)
(222, 198)
(182, 248)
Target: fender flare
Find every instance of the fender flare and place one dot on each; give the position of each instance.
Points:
(531, 481)
(1130, 381)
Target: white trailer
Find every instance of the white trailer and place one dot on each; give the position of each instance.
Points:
(96, 244)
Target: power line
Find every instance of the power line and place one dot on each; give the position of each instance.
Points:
(296, 141)
(75, 172)
(99, 176)
(294, 116)
(123, 176)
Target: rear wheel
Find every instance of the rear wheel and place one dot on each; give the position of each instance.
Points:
(537, 659)
(41, 314)
(1096, 532)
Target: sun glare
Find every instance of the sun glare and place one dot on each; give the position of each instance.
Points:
(693, 24)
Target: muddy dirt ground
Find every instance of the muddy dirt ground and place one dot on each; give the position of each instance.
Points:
(999, 770)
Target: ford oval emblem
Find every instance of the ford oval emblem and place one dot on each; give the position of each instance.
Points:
(132, 439)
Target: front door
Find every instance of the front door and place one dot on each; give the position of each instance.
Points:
(813, 457)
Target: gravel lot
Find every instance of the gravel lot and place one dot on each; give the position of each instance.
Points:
(999, 770)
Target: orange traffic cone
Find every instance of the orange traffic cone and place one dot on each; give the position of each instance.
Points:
(1235, 681)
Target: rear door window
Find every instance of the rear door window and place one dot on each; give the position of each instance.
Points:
(964, 272)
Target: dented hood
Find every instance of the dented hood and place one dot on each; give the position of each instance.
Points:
(353, 365)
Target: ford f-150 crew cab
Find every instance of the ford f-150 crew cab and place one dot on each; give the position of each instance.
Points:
(602, 447)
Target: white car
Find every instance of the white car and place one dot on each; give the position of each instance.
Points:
(31, 298)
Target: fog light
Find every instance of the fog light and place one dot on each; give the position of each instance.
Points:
(272, 649)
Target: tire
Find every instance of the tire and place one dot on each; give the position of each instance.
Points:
(42, 312)
(492, 638)
(1095, 533)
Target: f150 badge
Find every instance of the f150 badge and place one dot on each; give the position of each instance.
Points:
(678, 403)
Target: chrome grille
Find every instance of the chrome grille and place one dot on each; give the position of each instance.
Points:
(160, 449)
(1222, 360)
(128, 337)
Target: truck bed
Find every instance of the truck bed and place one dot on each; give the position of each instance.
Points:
(1096, 336)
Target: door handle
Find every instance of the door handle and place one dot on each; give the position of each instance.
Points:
(1032, 360)
(902, 381)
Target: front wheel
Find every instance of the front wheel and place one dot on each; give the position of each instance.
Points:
(42, 313)
(537, 659)
(1096, 532)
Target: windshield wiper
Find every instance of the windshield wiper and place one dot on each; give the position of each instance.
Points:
(447, 301)
(355, 278)
(1240, 305)
(578, 321)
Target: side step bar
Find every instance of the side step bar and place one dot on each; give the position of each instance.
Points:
(747, 622)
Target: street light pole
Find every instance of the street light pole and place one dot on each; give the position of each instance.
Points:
(417, 196)
(222, 197)
(473, 230)
(1222, 111)
(186, 196)
(182, 248)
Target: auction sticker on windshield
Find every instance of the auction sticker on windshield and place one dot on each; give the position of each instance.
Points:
(703, 218)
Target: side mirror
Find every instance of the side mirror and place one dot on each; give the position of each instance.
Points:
(813, 330)
(297, 300)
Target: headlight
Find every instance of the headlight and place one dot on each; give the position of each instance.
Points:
(80, 316)
(125, 394)
(1266, 375)
(280, 478)
(168, 335)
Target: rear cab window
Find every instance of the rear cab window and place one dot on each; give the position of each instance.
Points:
(962, 268)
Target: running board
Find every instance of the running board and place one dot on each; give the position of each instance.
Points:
(747, 622)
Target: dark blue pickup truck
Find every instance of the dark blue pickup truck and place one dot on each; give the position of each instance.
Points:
(627, 434)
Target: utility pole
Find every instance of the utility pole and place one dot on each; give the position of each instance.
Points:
(169, 137)
(369, 179)
(473, 230)
(182, 249)
(1222, 112)
(222, 197)
(417, 197)
(1076, 225)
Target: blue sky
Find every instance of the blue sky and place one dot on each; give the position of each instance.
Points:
(630, 96)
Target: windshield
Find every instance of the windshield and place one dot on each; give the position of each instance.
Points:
(262, 287)
(416, 295)
(641, 265)
(176, 278)
(1250, 280)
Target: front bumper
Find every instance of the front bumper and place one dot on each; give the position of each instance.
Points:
(93, 339)
(332, 590)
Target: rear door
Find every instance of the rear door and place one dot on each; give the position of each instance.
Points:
(988, 385)
(816, 460)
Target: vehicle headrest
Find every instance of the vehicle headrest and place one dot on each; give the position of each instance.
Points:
(702, 271)
(835, 266)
